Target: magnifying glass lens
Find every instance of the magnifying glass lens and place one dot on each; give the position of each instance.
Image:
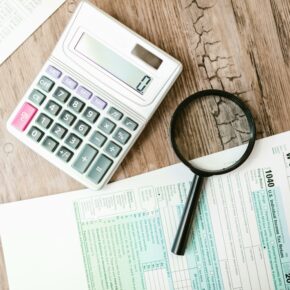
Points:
(208, 125)
(203, 124)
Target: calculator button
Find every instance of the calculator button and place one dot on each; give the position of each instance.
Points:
(85, 158)
(99, 103)
(49, 144)
(122, 136)
(113, 149)
(99, 169)
(64, 154)
(37, 97)
(82, 128)
(73, 141)
(44, 121)
(107, 126)
(35, 134)
(53, 108)
(45, 84)
(130, 124)
(114, 113)
(67, 118)
(61, 94)
(58, 131)
(98, 139)
(83, 92)
(53, 72)
(69, 82)
(24, 116)
(91, 115)
(76, 105)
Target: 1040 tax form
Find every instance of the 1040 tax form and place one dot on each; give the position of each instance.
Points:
(120, 237)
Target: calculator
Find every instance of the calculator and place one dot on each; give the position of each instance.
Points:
(93, 96)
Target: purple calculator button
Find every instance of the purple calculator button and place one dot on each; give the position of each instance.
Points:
(99, 103)
(69, 82)
(53, 72)
(83, 92)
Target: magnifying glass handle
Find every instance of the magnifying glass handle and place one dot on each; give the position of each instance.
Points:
(183, 231)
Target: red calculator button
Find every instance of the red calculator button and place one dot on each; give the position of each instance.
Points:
(24, 117)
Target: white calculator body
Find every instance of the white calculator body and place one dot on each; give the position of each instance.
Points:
(93, 96)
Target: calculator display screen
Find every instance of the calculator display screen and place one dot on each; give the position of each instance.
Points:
(113, 63)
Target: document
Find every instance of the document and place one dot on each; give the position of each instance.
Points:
(19, 19)
(120, 237)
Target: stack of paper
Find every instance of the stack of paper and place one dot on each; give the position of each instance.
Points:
(19, 18)
(120, 237)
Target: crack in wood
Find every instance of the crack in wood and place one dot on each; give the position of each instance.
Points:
(199, 6)
(212, 64)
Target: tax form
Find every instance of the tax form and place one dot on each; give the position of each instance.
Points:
(20, 18)
(120, 237)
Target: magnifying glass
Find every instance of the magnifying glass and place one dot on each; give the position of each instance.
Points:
(211, 121)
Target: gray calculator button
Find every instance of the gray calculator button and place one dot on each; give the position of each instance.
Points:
(49, 144)
(99, 169)
(67, 118)
(85, 158)
(76, 105)
(61, 94)
(73, 141)
(44, 121)
(122, 136)
(112, 149)
(98, 139)
(130, 124)
(64, 154)
(58, 131)
(35, 134)
(53, 108)
(82, 128)
(107, 126)
(37, 97)
(114, 113)
(45, 84)
(91, 115)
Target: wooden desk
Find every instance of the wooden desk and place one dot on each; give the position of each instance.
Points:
(239, 46)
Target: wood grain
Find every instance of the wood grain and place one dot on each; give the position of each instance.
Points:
(239, 46)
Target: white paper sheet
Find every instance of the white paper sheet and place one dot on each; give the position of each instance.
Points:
(19, 19)
(120, 237)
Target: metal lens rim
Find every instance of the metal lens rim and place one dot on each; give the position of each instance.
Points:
(238, 102)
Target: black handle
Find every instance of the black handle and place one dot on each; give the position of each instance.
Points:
(183, 231)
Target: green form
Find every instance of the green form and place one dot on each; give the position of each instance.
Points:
(240, 237)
